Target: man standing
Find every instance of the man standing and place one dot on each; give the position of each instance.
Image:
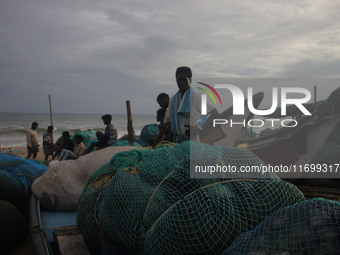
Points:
(182, 112)
(32, 141)
(48, 142)
(105, 139)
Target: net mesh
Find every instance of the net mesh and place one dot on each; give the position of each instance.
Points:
(210, 218)
(13, 191)
(147, 202)
(309, 227)
(23, 171)
(13, 226)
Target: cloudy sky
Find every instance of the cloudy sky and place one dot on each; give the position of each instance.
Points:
(92, 56)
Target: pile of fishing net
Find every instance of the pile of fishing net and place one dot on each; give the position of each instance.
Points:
(13, 226)
(22, 170)
(309, 227)
(148, 135)
(60, 187)
(88, 137)
(146, 201)
(16, 177)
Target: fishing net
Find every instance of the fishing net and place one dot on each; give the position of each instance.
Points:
(207, 220)
(88, 137)
(24, 171)
(148, 135)
(147, 201)
(13, 226)
(91, 198)
(60, 187)
(309, 227)
(13, 191)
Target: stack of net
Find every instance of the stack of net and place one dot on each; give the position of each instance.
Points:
(23, 170)
(13, 227)
(309, 227)
(13, 192)
(148, 203)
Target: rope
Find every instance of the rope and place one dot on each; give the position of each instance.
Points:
(36, 229)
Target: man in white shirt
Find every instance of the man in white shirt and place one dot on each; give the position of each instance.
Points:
(32, 141)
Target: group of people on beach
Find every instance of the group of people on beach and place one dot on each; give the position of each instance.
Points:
(64, 148)
(174, 117)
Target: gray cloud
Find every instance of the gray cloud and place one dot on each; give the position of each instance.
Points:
(91, 56)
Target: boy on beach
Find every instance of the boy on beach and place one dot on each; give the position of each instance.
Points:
(32, 141)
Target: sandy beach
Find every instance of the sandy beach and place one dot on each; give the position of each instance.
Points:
(22, 152)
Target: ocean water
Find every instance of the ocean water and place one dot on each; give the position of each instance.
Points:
(13, 126)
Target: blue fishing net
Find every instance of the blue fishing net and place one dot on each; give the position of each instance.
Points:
(24, 171)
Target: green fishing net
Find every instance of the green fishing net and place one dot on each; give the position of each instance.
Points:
(147, 201)
(309, 227)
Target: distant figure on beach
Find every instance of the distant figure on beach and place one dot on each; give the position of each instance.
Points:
(63, 142)
(104, 139)
(32, 141)
(48, 142)
(78, 150)
(181, 113)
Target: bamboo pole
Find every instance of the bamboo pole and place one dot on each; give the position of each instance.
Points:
(129, 123)
(51, 117)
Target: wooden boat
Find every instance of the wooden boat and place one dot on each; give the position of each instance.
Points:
(302, 144)
(54, 232)
(297, 145)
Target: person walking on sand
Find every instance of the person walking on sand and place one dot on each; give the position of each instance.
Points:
(104, 139)
(32, 141)
(48, 142)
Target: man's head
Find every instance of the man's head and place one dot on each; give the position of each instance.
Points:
(50, 129)
(78, 139)
(65, 134)
(34, 125)
(183, 78)
(163, 100)
(107, 119)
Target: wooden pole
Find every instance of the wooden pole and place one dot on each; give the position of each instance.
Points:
(51, 117)
(129, 123)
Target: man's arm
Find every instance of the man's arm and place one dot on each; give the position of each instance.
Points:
(29, 139)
